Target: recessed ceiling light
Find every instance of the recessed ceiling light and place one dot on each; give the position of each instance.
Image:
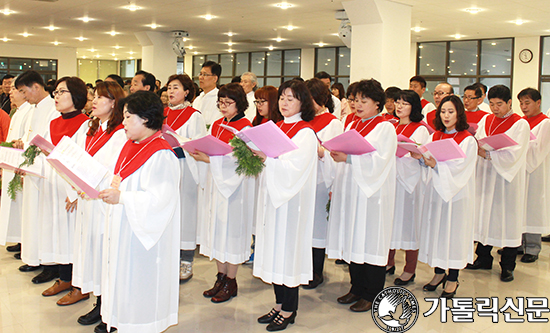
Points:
(51, 27)
(230, 51)
(208, 17)
(284, 5)
(85, 19)
(131, 52)
(131, 57)
(493, 43)
(132, 7)
(81, 38)
(417, 29)
(116, 59)
(230, 43)
(92, 50)
(117, 47)
(25, 34)
(278, 39)
(518, 22)
(113, 33)
(230, 34)
(83, 57)
(152, 25)
(195, 53)
(56, 43)
(113, 54)
(190, 47)
(290, 27)
(270, 47)
(473, 10)
(7, 12)
(458, 36)
(97, 55)
(5, 39)
(321, 44)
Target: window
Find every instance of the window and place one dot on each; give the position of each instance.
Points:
(462, 63)
(15, 66)
(271, 67)
(335, 61)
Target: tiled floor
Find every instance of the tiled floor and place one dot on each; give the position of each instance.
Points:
(23, 309)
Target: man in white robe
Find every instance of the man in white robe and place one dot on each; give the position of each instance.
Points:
(249, 82)
(418, 85)
(206, 101)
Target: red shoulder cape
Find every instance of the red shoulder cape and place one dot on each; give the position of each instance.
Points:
(177, 118)
(494, 125)
(60, 127)
(321, 121)
(475, 116)
(407, 130)
(458, 138)
(95, 142)
(349, 119)
(292, 128)
(224, 134)
(535, 120)
(369, 125)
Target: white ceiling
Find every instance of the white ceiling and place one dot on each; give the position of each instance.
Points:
(256, 23)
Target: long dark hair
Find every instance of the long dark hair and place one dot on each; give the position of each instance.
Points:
(112, 91)
(269, 93)
(78, 90)
(320, 94)
(413, 99)
(461, 120)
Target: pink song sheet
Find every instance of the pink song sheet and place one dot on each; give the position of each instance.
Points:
(268, 138)
(442, 150)
(209, 145)
(42, 143)
(350, 142)
(496, 142)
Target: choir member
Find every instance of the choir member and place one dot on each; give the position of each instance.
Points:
(59, 203)
(266, 106)
(538, 170)
(286, 208)
(409, 188)
(104, 141)
(229, 199)
(350, 96)
(473, 97)
(441, 91)
(326, 126)
(500, 186)
(392, 95)
(339, 92)
(418, 84)
(188, 123)
(447, 227)
(140, 271)
(363, 197)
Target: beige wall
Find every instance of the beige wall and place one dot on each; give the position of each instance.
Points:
(66, 56)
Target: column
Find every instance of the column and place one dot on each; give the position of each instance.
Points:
(157, 56)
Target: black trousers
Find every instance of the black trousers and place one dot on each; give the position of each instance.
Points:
(66, 272)
(367, 280)
(318, 261)
(286, 296)
(507, 259)
(453, 274)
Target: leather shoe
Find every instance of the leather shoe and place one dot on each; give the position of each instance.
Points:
(280, 323)
(317, 280)
(268, 317)
(220, 279)
(390, 271)
(228, 290)
(361, 305)
(399, 282)
(529, 258)
(506, 275)
(74, 296)
(17, 256)
(431, 287)
(452, 294)
(102, 328)
(93, 316)
(46, 276)
(27, 268)
(348, 298)
(14, 248)
(57, 287)
(545, 238)
(480, 265)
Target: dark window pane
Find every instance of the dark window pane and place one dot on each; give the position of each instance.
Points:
(292, 63)
(242, 63)
(274, 59)
(431, 58)
(226, 61)
(325, 60)
(258, 63)
(197, 64)
(20, 64)
(343, 61)
(463, 58)
(496, 57)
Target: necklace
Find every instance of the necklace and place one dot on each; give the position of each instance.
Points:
(221, 129)
(88, 148)
(281, 127)
(123, 165)
(404, 128)
(491, 125)
(175, 120)
(357, 124)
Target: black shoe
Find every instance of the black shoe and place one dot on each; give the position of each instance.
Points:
(267, 318)
(450, 295)
(14, 248)
(340, 262)
(529, 258)
(46, 276)
(431, 287)
(480, 265)
(102, 328)
(27, 268)
(545, 238)
(17, 256)
(280, 322)
(506, 275)
(390, 271)
(399, 282)
(91, 317)
(317, 280)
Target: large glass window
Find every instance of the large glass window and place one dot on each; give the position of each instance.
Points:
(461, 63)
(15, 66)
(335, 61)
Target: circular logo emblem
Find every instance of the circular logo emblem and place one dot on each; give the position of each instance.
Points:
(395, 309)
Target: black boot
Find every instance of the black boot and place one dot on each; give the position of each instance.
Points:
(93, 316)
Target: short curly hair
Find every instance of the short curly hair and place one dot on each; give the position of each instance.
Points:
(146, 105)
(372, 89)
(235, 92)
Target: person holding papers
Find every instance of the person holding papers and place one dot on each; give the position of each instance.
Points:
(363, 197)
(286, 208)
(447, 227)
(538, 173)
(188, 123)
(229, 198)
(409, 187)
(327, 126)
(501, 187)
(58, 206)
(140, 267)
(104, 141)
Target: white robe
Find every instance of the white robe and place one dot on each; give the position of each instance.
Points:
(57, 224)
(286, 203)
(140, 273)
(10, 210)
(90, 223)
(251, 110)
(363, 198)
(206, 104)
(38, 122)
(228, 212)
(326, 171)
(500, 190)
(447, 229)
(409, 191)
(538, 178)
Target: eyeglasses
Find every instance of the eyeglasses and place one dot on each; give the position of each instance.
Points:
(219, 104)
(205, 74)
(440, 93)
(259, 102)
(60, 92)
(402, 103)
(470, 97)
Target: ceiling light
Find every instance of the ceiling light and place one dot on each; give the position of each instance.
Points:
(117, 47)
(230, 51)
(321, 44)
(83, 57)
(97, 55)
(208, 17)
(457, 36)
(132, 7)
(56, 43)
(493, 44)
(51, 28)
(5, 39)
(152, 25)
(473, 10)
(230, 34)
(113, 54)
(290, 27)
(116, 59)
(284, 5)
(131, 57)
(25, 34)
(420, 46)
(190, 47)
(230, 43)
(81, 38)
(270, 47)
(131, 52)
(85, 19)
(417, 29)
(92, 50)
(195, 53)
(278, 39)
(518, 22)
(113, 33)
(7, 12)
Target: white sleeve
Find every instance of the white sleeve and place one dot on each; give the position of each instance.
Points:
(540, 147)
(224, 175)
(508, 161)
(327, 166)
(408, 169)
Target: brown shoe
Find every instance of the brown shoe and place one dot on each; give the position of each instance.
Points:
(228, 290)
(57, 287)
(74, 296)
(217, 286)
(348, 298)
(362, 305)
